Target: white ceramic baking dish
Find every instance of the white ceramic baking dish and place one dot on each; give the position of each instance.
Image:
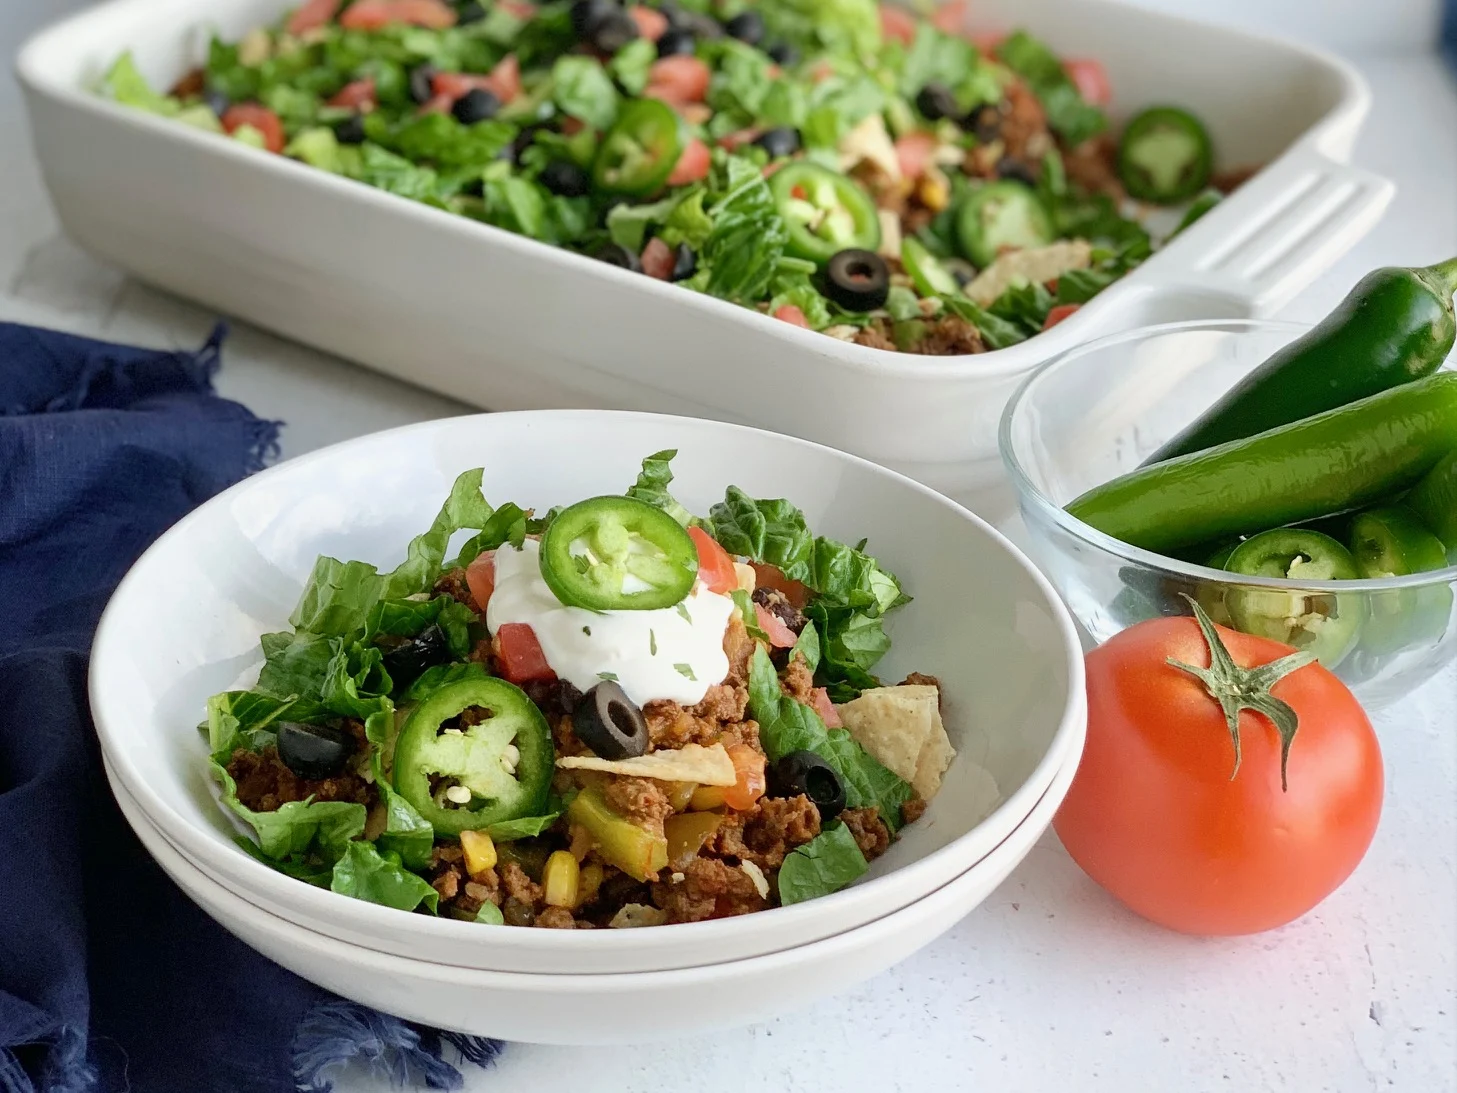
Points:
(506, 323)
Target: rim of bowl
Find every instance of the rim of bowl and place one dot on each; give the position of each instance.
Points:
(1149, 559)
(1021, 801)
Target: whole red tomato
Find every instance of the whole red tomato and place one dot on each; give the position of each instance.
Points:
(1155, 816)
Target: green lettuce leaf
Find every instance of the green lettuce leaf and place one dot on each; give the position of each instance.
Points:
(465, 508)
(996, 332)
(949, 60)
(741, 253)
(1069, 115)
(523, 827)
(491, 915)
(795, 289)
(786, 726)
(808, 647)
(381, 168)
(442, 675)
(299, 830)
(445, 142)
(123, 83)
(825, 864)
(364, 873)
(508, 524)
(1078, 286)
(406, 618)
(629, 65)
(1025, 305)
(337, 597)
(747, 613)
(243, 719)
(652, 486)
(582, 89)
(627, 225)
(406, 832)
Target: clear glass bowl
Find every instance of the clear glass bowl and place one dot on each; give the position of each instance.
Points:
(1098, 411)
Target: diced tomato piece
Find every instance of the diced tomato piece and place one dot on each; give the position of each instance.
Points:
(313, 13)
(572, 126)
(358, 95)
(657, 259)
(260, 118)
(678, 79)
(692, 165)
(505, 78)
(480, 578)
(987, 42)
(769, 576)
(950, 18)
(1052, 285)
(1058, 314)
(791, 315)
(519, 8)
(897, 24)
(519, 654)
(739, 137)
(374, 14)
(820, 700)
(780, 636)
(651, 23)
(1090, 78)
(749, 766)
(715, 567)
(914, 150)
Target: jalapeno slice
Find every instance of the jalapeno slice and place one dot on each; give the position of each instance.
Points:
(1323, 623)
(640, 150)
(1165, 156)
(617, 554)
(493, 764)
(1001, 214)
(927, 273)
(825, 212)
(1391, 542)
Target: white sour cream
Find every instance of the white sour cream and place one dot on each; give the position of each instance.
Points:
(675, 653)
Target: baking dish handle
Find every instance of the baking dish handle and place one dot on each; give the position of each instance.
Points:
(1272, 236)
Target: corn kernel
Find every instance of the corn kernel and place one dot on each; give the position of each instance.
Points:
(560, 879)
(480, 852)
(707, 797)
(933, 193)
(589, 882)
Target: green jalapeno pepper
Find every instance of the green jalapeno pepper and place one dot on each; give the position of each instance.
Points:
(1322, 623)
(926, 272)
(1165, 156)
(1395, 326)
(1333, 462)
(1434, 499)
(640, 150)
(617, 554)
(500, 767)
(1001, 214)
(825, 212)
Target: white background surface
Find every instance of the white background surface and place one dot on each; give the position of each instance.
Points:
(1049, 986)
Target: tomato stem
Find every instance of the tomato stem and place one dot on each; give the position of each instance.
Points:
(1236, 688)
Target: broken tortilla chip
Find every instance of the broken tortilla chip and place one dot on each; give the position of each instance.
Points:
(901, 727)
(709, 766)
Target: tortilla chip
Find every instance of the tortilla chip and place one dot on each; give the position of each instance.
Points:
(690, 763)
(901, 727)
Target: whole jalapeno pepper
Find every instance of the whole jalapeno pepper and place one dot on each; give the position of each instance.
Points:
(1395, 326)
(1434, 500)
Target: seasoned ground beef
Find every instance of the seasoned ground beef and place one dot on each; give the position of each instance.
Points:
(461, 895)
(767, 834)
(913, 810)
(640, 800)
(1024, 126)
(1093, 165)
(798, 681)
(265, 784)
(777, 604)
(723, 702)
(739, 648)
(671, 725)
(921, 679)
(452, 583)
(871, 834)
(473, 715)
(556, 698)
(709, 888)
(875, 337)
(518, 886)
(950, 336)
(559, 918)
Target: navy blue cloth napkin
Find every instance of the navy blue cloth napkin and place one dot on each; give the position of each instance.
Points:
(110, 978)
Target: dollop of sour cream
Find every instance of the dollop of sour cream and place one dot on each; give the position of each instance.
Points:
(675, 653)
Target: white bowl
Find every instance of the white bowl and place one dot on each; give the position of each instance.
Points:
(185, 624)
(604, 1009)
(513, 324)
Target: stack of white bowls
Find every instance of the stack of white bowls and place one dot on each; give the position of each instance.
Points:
(185, 624)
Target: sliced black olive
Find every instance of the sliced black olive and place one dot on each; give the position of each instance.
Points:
(857, 280)
(565, 178)
(612, 30)
(782, 53)
(984, 123)
(615, 254)
(586, 12)
(935, 101)
(804, 772)
(473, 187)
(350, 130)
(406, 662)
(747, 27)
(475, 105)
(685, 263)
(314, 751)
(607, 722)
(216, 101)
(676, 41)
(422, 83)
(469, 12)
(781, 141)
(1016, 170)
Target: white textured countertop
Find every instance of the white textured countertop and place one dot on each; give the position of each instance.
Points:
(1049, 986)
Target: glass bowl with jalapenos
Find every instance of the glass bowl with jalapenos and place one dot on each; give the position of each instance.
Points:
(1300, 483)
